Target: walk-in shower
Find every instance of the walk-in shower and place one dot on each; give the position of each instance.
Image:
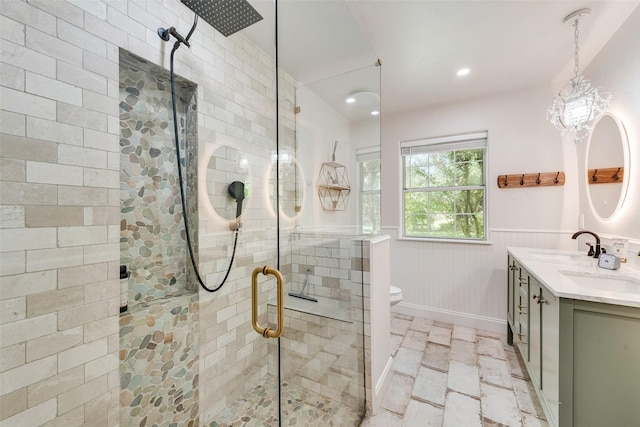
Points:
(203, 186)
(228, 17)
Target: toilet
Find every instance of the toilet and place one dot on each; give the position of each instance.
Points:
(396, 295)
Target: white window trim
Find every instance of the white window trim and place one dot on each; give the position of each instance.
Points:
(365, 153)
(430, 144)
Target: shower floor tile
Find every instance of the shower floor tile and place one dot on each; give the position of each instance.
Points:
(300, 407)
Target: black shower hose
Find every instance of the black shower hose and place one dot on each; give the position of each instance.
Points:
(180, 181)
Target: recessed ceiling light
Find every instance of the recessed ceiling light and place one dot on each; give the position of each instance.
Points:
(462, 72)
(375, 113)
(350, 100)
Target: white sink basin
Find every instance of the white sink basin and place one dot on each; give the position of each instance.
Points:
(558, 256)
(604, 282)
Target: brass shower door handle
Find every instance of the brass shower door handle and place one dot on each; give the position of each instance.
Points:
(266, 332)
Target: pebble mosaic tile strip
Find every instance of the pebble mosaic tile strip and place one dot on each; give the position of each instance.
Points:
(300, 407)
(159, 370)
(152, 239)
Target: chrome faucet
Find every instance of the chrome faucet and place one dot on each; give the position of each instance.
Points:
(596, 254)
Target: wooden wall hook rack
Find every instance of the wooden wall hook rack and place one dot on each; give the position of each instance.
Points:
(537, 179)
(605, 175)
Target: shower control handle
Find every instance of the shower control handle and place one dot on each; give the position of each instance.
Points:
(267, 332)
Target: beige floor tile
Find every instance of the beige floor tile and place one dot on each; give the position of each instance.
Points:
(422, 414)
(461, 410)
(415, 340)
(430, 386)
(443, 324)
(531, 421)
(527, 398)
(464, 333)
(382, 419)
(437, 357)
(440, 335)
(407, 361)
(398, 394)
(420, 324)
(464, 378)
(494, 371)
(500, 405)
(491, 347)
(454, 376)
(399, 326)
(464, 351)
(516, 364)
(489, 334)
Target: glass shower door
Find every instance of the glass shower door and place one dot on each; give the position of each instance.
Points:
(321, 353)
(315, 372)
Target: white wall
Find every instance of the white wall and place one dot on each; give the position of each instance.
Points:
(617, 70)
(520, 141)
(465, 282)
(318, 127)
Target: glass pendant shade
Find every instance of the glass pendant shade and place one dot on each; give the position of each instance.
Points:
(579, 105)
(577, 108)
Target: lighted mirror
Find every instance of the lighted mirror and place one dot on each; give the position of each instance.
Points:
(291, 186)
(607, 166)
(226, 165)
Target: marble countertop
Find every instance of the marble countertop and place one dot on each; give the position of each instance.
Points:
(572, 274)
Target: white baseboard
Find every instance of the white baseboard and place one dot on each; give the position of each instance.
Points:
(463, 319)
(381, 386)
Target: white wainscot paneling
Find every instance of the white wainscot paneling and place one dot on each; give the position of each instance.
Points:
(463, 283)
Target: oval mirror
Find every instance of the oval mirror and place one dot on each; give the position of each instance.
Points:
(291, 189)
(226, 165)
(607, 167)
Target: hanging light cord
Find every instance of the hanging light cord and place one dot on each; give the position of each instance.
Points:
(176, 45)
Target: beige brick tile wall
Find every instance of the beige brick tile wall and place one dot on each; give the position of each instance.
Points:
(59, 163)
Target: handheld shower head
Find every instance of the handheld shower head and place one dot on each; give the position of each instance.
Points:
(236, 190)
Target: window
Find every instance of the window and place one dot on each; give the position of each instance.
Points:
(444, 182)
(369, 196)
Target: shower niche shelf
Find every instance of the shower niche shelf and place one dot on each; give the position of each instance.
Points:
(333, 186)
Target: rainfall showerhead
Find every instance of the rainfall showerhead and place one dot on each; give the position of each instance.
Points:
(226, 16)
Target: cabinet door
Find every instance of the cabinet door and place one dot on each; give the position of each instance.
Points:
(606, 365)
(550, 329)
(535, 338)
(509, 290)
(511, 298)
(522, 311)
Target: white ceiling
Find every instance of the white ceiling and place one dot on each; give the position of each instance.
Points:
(422, 43)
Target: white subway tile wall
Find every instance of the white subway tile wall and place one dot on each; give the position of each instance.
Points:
(59, 166)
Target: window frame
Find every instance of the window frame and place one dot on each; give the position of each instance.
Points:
(364, 154)
(446, 144)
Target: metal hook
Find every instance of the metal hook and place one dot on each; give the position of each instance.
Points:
(538, 179)
(522, 180)
(615, 175)
(555, 180)
(594, 178)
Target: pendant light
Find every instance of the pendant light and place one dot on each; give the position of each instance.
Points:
(579, 105)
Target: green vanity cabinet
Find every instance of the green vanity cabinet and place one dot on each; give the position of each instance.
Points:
(518, 305)
(599, 364)
(583, 357)
(544, 347)
(535, 331)
(535, 324)
(549, 352)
